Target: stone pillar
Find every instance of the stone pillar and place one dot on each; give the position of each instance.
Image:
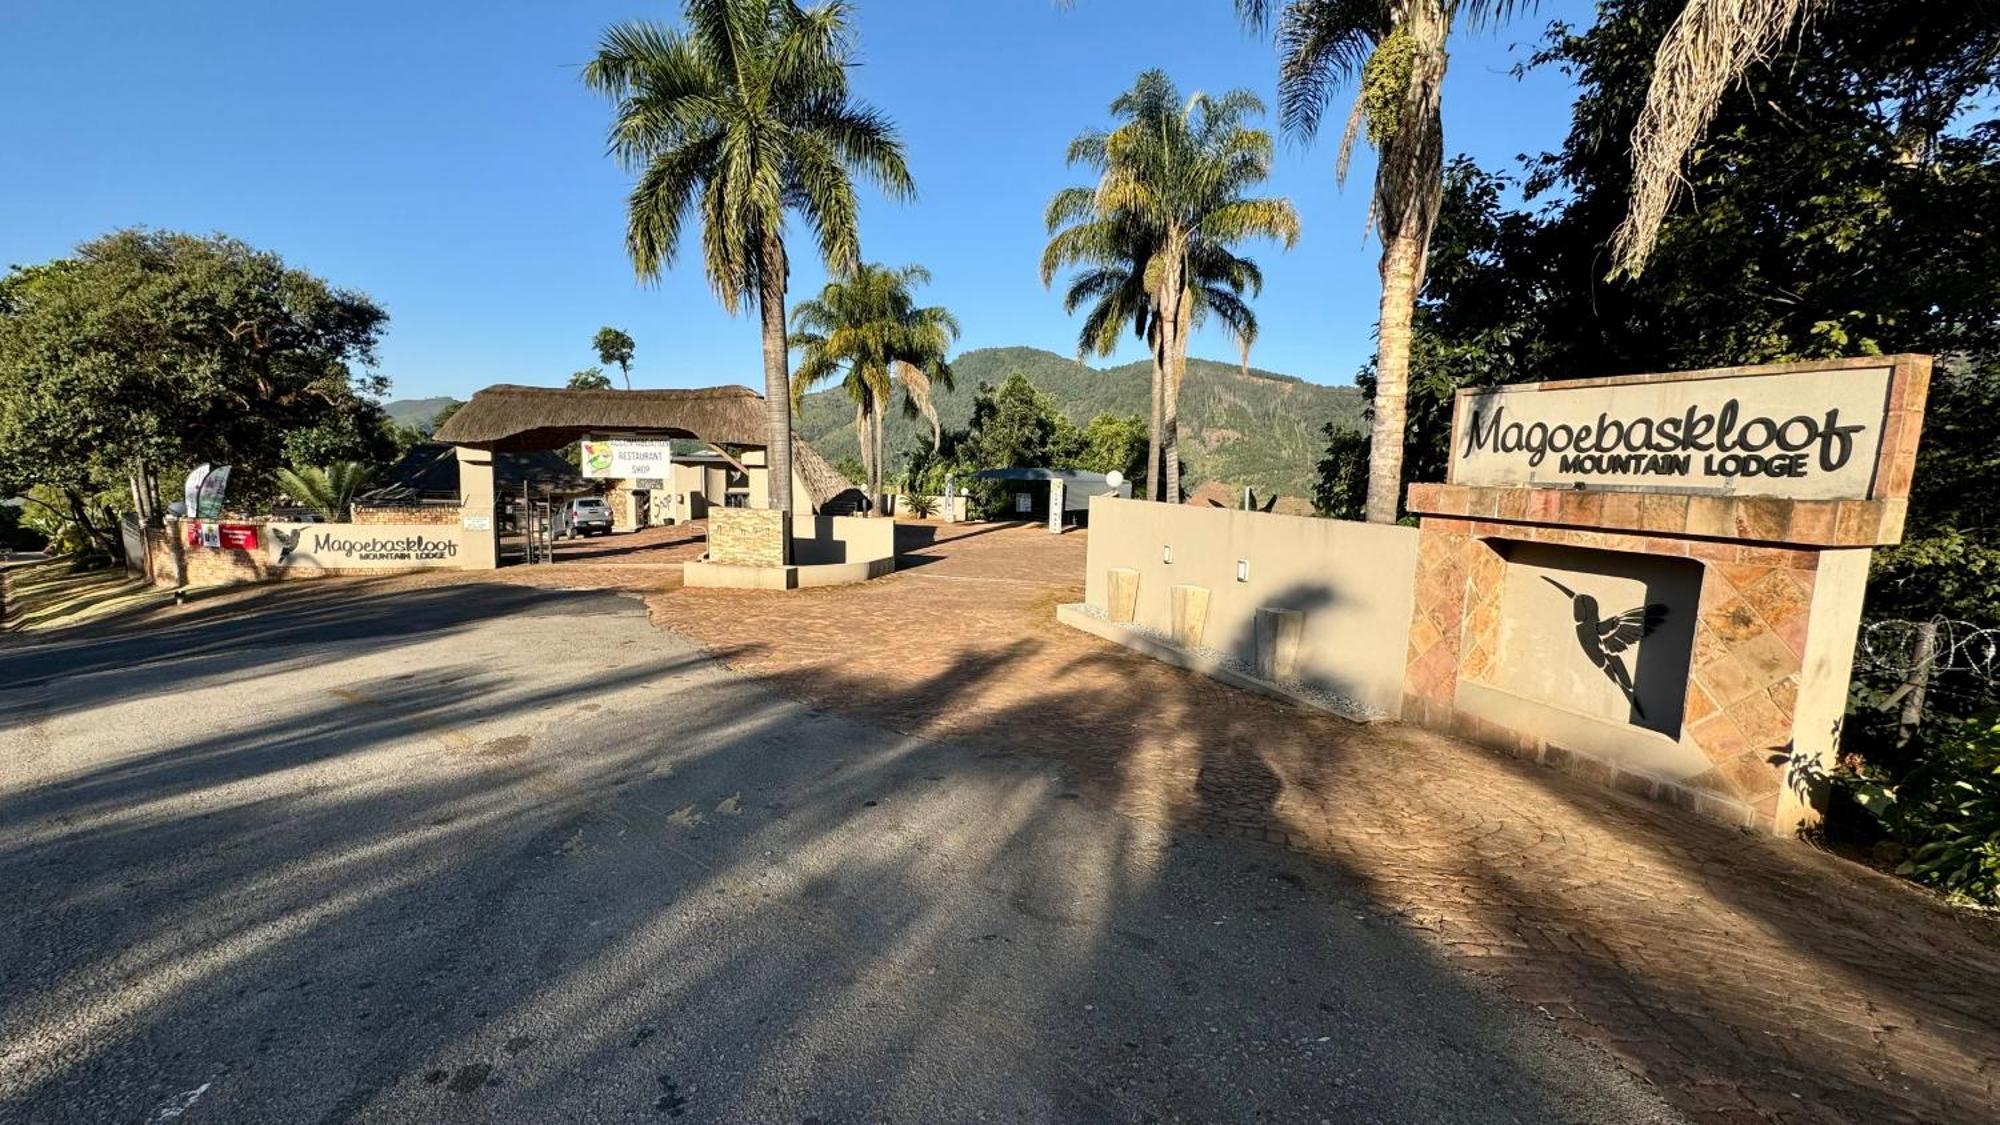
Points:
(1833, 625)
(1056, 507)
(1278, 632)
(1190, 609)
(1122, 594)
(748, 536)
(479, 512)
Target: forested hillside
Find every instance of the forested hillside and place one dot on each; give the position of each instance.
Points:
(1262, 429)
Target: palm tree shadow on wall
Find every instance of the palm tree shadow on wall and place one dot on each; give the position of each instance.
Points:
(1233, 780)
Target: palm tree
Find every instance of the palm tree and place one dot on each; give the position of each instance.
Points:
(1394, 51)
(1705, 53)
(329, 491)
(1114, 294)
(740, 117)
(614, 346)
(1169, 203)
(867, 325)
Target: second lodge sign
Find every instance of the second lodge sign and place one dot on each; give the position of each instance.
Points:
(1810, 435)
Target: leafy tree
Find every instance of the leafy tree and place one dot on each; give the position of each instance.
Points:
(866, 326)
(590, 379)
(1113, 443)
(444, 415)
(329, 491)
(148, 351)
(1394, 52)
(614, 346)
(1017, 426)
(1341, 488)
(735, 120)
(1837, 189)
(1163, 218)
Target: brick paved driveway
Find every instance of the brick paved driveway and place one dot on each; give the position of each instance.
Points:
(1748, 978)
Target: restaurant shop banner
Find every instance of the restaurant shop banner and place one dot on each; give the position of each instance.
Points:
(623, 460)
(357, 546)
(1807, 435)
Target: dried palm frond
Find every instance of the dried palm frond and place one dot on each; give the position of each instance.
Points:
(1704, 54)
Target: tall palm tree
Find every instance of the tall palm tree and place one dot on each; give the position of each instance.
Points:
(734, 120)
(1394, 51)
(1172, 178)
(866, 326)
(1113, 294)
(1705, 53)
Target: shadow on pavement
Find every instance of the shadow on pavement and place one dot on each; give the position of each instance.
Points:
(670, 890)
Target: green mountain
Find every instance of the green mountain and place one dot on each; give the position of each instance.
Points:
(415, 411)
(1262, 429)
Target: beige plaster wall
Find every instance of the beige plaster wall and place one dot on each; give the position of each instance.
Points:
(1352, 581)
(480, 549)
(818, 540)
(1827, 667)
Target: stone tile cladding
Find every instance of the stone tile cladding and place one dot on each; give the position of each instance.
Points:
(1743, 684)
(746, 536)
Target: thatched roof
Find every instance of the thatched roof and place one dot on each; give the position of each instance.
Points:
(514, 419)
(823, 480)
(510, 418)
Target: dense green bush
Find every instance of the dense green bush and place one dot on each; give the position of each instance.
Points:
(1944, 814)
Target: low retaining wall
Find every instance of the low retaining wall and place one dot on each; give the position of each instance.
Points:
(226, 552)
(1316, 607)
(406, 514)
(826, 551)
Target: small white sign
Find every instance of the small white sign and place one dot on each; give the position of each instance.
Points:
(478, 523)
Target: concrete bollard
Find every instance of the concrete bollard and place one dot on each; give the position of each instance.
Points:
(1122, 594)
(1190, 606)
(1278, 632)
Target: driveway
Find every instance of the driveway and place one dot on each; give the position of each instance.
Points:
(481, 851)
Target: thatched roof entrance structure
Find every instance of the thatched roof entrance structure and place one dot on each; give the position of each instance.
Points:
(515, 419)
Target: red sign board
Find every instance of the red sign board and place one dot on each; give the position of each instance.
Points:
(230, 536)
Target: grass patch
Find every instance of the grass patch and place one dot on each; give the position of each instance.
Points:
(36, 597)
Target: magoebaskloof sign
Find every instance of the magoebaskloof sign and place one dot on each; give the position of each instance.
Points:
(1804, 434)
(355, 546)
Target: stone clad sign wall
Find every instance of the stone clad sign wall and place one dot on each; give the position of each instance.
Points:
(1682, 636)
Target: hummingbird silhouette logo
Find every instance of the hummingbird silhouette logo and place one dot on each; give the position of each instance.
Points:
(1605, 639)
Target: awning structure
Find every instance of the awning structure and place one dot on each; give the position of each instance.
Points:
(515, 419)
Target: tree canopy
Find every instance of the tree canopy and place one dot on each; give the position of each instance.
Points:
(148, 351)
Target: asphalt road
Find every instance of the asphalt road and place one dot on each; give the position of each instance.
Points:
(482, 852)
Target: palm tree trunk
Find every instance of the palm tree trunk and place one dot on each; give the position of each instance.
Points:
(777, 380)
(881, 457)
(1170, 410)
(1154, 485)
(863, 438)
(1400, 262)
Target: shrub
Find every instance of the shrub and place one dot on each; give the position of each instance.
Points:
(921, 506)
(1945, 812)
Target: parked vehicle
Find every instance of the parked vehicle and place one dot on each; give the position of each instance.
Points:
(587, 515)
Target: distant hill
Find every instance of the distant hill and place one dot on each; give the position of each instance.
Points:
(1262, 429)
(415, 411)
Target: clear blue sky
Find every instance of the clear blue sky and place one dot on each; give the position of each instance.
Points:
(442, 157)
